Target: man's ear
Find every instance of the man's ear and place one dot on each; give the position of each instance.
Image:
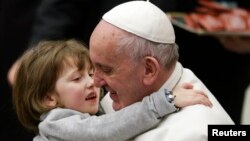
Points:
(50, 100)
(152, 67)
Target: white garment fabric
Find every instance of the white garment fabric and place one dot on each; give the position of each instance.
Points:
(245, 117)
(190, 123)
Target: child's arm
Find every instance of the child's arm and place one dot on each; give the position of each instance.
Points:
(65, 124)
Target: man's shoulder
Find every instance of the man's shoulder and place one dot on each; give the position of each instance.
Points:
(188, 124)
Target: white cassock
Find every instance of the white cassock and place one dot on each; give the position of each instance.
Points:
(190, 123)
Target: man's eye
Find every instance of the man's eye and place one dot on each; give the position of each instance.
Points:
(107, 70)
(103, 69)
(91, 74)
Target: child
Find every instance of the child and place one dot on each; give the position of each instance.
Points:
(54, 96)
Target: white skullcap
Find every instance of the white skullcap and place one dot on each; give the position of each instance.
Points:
(143, 19)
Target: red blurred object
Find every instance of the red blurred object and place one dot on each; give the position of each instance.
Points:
(211, 23)
(213, 5)
(212, 16)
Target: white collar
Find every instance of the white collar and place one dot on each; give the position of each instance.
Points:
(174, 77)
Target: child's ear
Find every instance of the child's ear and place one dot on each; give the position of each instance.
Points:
(50, 100)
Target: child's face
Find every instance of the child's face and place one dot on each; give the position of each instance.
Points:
(76, 90)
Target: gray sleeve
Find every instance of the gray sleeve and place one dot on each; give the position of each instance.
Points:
(118, 126)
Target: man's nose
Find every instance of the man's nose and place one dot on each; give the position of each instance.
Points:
(98, 80)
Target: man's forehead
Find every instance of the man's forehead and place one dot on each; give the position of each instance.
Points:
(101, 57)
(108, 32)
(108, 60)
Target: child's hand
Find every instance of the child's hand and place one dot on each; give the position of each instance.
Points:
(186, 95)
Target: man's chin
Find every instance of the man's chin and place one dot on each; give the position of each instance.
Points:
(116, 106)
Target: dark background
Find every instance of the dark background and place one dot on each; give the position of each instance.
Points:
(225, 73)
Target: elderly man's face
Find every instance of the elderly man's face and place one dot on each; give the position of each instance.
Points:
(115, 71)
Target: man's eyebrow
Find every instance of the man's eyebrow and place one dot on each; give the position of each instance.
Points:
(101, 65)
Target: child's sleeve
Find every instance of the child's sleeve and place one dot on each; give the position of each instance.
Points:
(116, 126)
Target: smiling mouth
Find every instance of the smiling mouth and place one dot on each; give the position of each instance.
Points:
(112, 92)
(113, 96)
